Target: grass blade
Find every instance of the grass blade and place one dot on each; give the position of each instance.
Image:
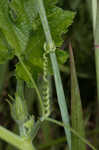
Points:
(95, 11)
(76, 107)
(59, 88)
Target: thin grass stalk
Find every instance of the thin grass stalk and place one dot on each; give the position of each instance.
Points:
(95, 10)
(20, 88)
(20, 93)
(96, 38)
(33, 83)
(76, 107)
(95, 16)
(58, 82)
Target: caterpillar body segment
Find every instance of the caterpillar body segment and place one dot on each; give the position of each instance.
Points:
(46, 90)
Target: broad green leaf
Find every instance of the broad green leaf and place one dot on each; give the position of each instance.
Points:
(21, 74)
(22, 29)
(59, 21)
(15, 22)
(6, 52)
(6, 25)
(22, 14)
(76, 108)
(62, 56)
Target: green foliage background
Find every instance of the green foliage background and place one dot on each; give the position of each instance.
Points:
(19, 35)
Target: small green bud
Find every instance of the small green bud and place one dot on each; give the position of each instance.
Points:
(19, 110)
(28, 125)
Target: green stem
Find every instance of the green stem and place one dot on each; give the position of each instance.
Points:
(3, 68)
(33, 82)
(10, 137)
(73, 131)
(20, 88)
(35, 129)
(95, 8)
(76, 106)
(15, 140)
(58, 82)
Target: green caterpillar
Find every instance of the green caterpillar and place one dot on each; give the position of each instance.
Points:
(46, 91)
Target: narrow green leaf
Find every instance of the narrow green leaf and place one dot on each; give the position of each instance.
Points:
(61, 98)
(76, 107)
(95, 10)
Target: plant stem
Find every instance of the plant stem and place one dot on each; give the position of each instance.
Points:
(95, 13)
(73, 131)
(95, 8)
(33, 82)
(9, 137)
(15, 140)
(58, 82)
(35, 129)
(20, 88)
(76, 106)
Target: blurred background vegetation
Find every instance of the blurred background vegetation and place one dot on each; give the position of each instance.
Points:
(81, 35)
